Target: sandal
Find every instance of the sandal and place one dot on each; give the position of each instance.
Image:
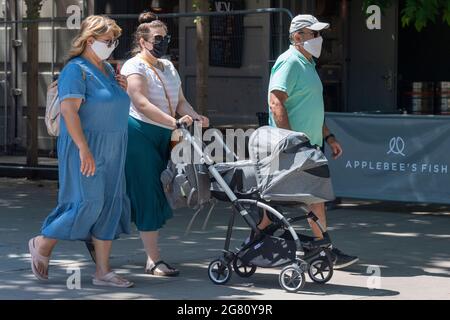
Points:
(36, 260)
(112, 280)
(172, 272)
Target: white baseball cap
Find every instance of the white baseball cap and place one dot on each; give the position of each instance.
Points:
(307, 21)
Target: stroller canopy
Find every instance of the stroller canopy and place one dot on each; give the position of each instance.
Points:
(288, 168)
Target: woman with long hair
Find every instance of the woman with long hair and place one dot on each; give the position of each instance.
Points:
(92, 200)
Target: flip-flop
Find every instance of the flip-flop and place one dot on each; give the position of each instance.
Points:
(37, 259)
(112, 280)
(171, 273)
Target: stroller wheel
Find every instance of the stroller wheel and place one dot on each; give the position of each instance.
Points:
(243, 270)
(321, 270)
(292, 279)
(219, 272)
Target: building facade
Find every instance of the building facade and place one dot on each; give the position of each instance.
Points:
(363, 69)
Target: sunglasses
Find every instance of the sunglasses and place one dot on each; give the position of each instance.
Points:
(158, 39)
(316, 34)
(110, 43)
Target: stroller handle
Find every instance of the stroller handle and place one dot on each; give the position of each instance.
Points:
(197, 145)
(182, 125)
(224, 146)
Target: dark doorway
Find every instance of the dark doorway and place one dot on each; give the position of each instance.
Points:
(424, 61)
(373, 61)
(331, 65)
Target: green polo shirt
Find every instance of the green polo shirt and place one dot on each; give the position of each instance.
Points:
(297, 77)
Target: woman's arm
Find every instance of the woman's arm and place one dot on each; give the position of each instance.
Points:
(69, 111)
(137, 90)
(184, 108)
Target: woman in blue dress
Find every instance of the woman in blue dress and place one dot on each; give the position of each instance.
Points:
(92, 201)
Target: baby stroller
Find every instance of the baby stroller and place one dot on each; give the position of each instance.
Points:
(284, 172)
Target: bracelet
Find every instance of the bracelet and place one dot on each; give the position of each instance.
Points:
(329, 136)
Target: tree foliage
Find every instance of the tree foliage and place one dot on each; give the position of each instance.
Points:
(34, 8)
(418, 13)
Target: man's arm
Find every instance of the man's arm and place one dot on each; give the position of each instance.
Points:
(277, 100)
(326, 132)
(332, 142)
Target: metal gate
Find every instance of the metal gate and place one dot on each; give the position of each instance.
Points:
(5, 77)
(52, 46)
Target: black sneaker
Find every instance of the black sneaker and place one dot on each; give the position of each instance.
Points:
(341, 260)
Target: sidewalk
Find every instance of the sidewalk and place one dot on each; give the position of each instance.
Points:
(409, 243)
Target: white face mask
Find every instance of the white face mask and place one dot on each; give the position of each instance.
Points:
(314, 46)
(101, 50)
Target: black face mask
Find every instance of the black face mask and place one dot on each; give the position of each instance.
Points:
(160, 48)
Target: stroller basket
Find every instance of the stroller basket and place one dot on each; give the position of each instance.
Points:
(269, 252)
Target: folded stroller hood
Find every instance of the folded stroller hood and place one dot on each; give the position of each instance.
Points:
(288, 168)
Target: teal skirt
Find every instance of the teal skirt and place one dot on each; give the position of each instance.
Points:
(147, 157)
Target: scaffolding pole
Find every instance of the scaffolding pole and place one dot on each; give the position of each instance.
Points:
(5, 82)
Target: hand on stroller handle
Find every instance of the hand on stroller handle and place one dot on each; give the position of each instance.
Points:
(180, 124)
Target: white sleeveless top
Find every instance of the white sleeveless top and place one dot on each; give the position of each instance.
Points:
(155, 89)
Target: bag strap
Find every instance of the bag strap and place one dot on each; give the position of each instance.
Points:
(83, 72)
(83, 76)
(172, 113)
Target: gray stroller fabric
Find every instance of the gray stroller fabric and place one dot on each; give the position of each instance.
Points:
(288, 168)
(240, 176)
(283, 168)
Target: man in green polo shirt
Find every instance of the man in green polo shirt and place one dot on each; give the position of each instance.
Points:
(296, 101)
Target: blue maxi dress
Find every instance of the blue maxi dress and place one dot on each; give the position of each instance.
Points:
(95, 206)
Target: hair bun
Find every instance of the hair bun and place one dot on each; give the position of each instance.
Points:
(147, 17)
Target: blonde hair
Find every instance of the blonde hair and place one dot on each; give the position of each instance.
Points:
(93, 26)
(144, 31)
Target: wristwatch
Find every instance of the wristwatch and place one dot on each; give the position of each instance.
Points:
(178, 123)
(329, 136)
